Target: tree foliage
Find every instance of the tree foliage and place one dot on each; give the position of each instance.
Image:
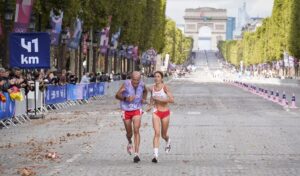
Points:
(278, 33)
(177, 45)
(142, 22)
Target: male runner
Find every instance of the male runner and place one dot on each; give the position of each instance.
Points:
(132, 95)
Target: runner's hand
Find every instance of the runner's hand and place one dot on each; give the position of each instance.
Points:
(122, 89)
(130, 98)
(144, 101)
(148, 108)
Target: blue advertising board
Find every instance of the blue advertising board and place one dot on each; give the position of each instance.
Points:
(29, 50)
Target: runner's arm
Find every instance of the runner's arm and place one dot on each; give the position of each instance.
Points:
(119, 93)
(151, 101)
(145, 93)
(170, 95)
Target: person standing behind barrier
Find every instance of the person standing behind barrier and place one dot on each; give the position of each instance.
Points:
(72, 78)
(93, 78)
(63, 77)
(85, 79)
(132, 94)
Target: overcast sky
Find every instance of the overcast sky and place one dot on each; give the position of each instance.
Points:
(261, 8)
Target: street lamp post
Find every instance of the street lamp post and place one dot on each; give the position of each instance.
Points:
(95, 53)
(88, 55)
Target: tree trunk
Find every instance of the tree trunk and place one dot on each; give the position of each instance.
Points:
(73, 58)
(91, 55)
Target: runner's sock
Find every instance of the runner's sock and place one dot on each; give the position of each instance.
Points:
(168, 146)
(155, 152)
(169, 141)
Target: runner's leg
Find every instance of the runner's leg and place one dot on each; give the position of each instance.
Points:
(136, 132)
(164, 128)
(128, 127)
(156, 127)
(164, 133)
(137, 137)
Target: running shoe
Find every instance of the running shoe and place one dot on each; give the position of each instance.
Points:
(168, 146)
(136, 159)
(155, 160)
(130, 149)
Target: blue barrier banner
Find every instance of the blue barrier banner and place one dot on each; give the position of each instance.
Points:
(92, 89)
(7, 109)
(29, 50)
(60, 94)
(55, 94)
(95, 89)
(101, 88)
(75, 92)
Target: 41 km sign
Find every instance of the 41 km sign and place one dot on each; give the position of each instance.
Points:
(29, 50)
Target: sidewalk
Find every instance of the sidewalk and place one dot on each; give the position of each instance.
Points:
(261, 80)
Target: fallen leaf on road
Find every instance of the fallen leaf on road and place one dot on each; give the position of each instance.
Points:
(26, 172)
(9, 145)
(1, 170)
(52, 155)
(185, 161)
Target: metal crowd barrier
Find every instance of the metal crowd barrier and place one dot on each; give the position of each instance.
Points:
(53, 98)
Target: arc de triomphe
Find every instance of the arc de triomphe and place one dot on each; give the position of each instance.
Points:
(210, 20)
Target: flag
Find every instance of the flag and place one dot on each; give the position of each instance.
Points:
(122, 51)
(171, 66)
(104, 37)
(152, 53)
(56, 23)
(104, 40)
(22, 16)
(115, 38)
(149, 57)
(145, 59)
(135, 53)
(129, 52)
(75, 38)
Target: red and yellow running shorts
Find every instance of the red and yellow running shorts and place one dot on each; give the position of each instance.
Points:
(162, 114)
(128, 115)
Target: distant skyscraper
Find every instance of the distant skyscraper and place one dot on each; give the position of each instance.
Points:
(230, 28)
(242, 18)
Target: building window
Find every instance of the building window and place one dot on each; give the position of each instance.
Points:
(219, 27)
(190, 26)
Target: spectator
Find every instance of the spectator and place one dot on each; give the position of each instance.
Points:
(111, 76)
(98, 77)
(92, 78)
(73, 79)
(63, 77)
(85, 79)
(51, 79)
